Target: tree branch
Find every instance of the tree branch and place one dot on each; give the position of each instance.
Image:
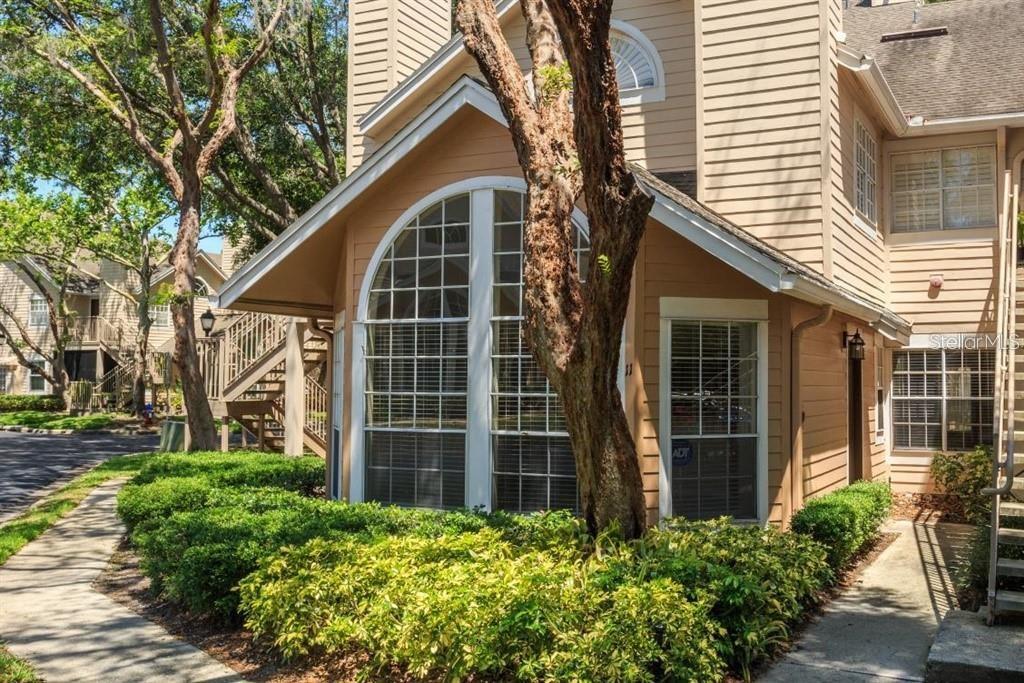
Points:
(168, 73)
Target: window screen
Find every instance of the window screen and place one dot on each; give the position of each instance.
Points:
(416, 367)
(533, 465)
(943, 400)
(943, 189)
(713, 406)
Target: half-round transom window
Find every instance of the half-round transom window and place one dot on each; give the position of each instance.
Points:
(634, 67)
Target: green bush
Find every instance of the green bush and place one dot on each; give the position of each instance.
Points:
(474, 604)
(971, 576)
(676, 604)
(13, 402)
(845, 520)
(239, 468)
(964, 475)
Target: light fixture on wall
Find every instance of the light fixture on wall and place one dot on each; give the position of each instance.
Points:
(854, 343)
(206, 320)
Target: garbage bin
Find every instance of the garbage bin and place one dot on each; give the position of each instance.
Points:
(172, 436)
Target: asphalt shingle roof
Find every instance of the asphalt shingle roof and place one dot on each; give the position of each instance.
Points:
(974, 70)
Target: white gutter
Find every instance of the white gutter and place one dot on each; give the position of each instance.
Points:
(887, 323)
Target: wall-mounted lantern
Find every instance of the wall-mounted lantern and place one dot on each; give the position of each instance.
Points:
(854, 343)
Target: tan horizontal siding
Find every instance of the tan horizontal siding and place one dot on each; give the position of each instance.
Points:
(760, 109)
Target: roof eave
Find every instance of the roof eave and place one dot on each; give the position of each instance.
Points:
(465, 92)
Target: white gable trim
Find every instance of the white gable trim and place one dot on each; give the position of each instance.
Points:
(437, 63)
(466, 92)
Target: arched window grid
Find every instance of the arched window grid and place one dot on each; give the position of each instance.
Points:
(421, 409)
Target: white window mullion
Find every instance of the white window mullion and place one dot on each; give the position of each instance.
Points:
(481, 266)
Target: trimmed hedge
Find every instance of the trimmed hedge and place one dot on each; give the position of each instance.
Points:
(463, 593)
(844, 521)
(239, 468)
(18, 402)
(677, 604)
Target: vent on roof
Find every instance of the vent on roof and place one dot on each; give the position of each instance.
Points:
(915, 33)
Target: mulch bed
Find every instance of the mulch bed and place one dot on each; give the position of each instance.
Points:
(928, 508)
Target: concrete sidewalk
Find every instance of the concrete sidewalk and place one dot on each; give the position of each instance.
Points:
(882, 627)
(51, 617)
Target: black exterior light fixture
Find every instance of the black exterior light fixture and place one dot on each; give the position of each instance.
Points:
(854, 343)
(207, 319)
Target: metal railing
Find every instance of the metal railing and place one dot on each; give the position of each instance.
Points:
(1005, 389)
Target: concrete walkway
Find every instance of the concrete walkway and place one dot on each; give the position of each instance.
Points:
(881, 628)
(51, 617)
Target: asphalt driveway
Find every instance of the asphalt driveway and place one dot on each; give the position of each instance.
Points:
(30, 464)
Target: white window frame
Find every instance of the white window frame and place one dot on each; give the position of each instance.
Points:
(478, 427)
(6, 377)
(38, 319)
(30, 374)
(160, 315)
(652, 93)
(865, 177)
(336, 487)
(720, 310)
(942, 398)
(943, 228)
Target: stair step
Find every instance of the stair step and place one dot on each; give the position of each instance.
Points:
(1009, 601)
(1008, 567)
(1011, 536)
(1011, 509)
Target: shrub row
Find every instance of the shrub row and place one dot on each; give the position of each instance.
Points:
(16, 402)
(845, 520)
(679, 604)
(239, 468)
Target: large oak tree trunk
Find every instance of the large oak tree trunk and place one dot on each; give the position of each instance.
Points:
(186, 358)
(572, 149)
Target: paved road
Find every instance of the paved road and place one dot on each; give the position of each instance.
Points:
(31, 463)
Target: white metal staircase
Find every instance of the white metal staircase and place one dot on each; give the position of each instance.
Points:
(244, 370)
(1006, 558)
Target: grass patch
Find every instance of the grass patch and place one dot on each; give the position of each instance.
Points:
(38, 419)
(33, 522)
(14, 670)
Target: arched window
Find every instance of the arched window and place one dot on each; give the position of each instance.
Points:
(202, 288)
(633, 68)
(638, 68)
(434, 409)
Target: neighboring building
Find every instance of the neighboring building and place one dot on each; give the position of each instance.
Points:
(105, 322)
(821, 174)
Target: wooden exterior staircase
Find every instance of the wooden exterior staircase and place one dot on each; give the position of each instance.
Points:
(245, 367)
(1007, 491)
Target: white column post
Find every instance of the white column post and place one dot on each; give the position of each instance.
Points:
(294, 388)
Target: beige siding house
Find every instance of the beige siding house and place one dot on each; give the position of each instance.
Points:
(105, 321)
(812, 195)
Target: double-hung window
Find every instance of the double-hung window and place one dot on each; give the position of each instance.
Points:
(879, 394)
(38, 315)
(945, 189)
(36, 381)
(943, 399)
(866, 173)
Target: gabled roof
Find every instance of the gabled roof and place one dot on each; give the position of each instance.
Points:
(973, 69)
(702, 226)
(78, 281)
(166, 270)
